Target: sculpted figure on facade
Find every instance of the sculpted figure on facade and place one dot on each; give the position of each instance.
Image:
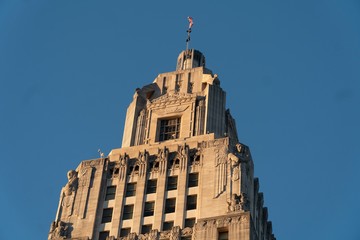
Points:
(160, 161)
(196, 156)
(233, 204)
(234, 164)
(58, 230)
(153, 234)
(235, 159)
(238, 202)
(141, 164)
(186, 232)
(165, 234)
(143, 236)
(130, 236)
(175, 233)
(123, 166)
(244, 202)
(181, 158)
(69, 192)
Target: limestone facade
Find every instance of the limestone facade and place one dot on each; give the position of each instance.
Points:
(181, 172)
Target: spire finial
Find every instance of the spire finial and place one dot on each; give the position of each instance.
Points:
(191, 23)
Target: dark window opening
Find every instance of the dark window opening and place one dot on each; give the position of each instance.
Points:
(224, 235)
(103, 235)
(170, 205)
(191, 202)
(193, 180)
(168, 225)
(128, 212)
(113, 172)
(169, 129)
(172, 183)
(190, 222)
(110, 193)
(186, 238)
(107, 215)
(146, 228)
(124, 232)
(130, 189)
(149, 209)
(151, 186)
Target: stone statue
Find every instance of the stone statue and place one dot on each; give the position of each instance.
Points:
(123, 160)
(153, 234)
(186, 231)
(175, 233)
(72, 184)
(58, 230)
(233, 203)
(68, 192)
(244, 202)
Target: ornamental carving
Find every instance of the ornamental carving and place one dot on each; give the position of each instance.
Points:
(221, 222)
(159, 165)
(175, 233)
(168, 110)
(186, 232)
(195, 156)
(181, 158)
(140, 166)
(221, 170)
(238, 203)
(172, 98)
(153, 234)
(58, 230)
(165, 234)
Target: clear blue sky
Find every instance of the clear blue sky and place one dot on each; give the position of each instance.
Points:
(68, 70)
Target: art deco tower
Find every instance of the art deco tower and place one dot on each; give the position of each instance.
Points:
(181, 172)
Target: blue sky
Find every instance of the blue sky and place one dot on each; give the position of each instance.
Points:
(68, 70)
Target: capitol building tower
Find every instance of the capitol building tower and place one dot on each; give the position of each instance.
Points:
(180, 174)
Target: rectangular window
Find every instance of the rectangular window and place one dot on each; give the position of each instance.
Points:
(110, 193)
(130, 189)
(172, 183)
(191, 202)
(149, 209)
(151, 186)
(124, 232)
(169, 129)
(170, 205)
(168, 225)
(107, 215)
(128, 212)
(103, 235)
(223, 235)
(193, 180)
(186, 238)
(190, 222)
(146, 228)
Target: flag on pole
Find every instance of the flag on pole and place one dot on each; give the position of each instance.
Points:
(191, 22)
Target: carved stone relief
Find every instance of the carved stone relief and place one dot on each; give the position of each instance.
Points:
(159, 164)
(68, 193)
(180, 160)
(238, 203)
(58, 230)
(221, 169)
(168, 110)
(175, 233)
(153, 235)
(123, 166)
(186, 232)
(140, 166)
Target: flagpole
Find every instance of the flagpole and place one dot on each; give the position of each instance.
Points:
(188, 33)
